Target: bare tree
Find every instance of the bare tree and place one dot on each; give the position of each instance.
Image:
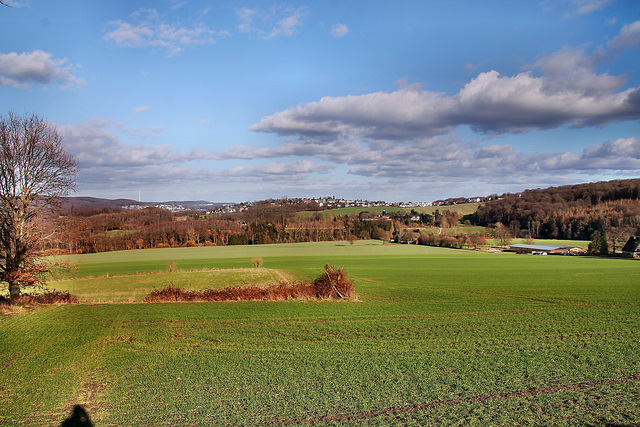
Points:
(35, 171)
(503, 234)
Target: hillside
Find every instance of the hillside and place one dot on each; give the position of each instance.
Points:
(82, 203)
(568, 212)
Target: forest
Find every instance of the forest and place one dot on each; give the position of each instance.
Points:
(568, 212)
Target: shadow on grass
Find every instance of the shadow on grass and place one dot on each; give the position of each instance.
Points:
(78, 418)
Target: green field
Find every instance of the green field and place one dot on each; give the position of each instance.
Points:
(437, 337)
(462, 209)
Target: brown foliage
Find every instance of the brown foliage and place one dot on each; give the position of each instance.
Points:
(48, 297)
(332, 284)
(281, 292)
(568, 212)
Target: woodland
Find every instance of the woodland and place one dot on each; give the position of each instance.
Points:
(573, 212)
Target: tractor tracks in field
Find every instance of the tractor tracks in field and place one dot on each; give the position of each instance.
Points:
(364, 415)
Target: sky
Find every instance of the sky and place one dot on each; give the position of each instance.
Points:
(403, 100)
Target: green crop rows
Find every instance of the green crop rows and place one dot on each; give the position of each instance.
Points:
(438, 337)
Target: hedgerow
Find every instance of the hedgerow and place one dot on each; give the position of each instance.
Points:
(48, 297)
(331, 284)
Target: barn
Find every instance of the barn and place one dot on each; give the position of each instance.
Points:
(632, 247)
(542, 249)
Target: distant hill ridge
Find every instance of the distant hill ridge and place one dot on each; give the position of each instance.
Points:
(87, 202)
(588, 194)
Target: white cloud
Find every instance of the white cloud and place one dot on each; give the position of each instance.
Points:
(107, 163)
(145, 28)
(95, 144)
(19, 70)
(628, 37)
(623, 153)
(339, 30)
(585, 7)
(141, 109)
(490, 103)
(570, 91)
(271, 23)
(246, 16)
(279, 171)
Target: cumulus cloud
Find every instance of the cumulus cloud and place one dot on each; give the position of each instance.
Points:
(339, 30)
(569, 91)
(271, 23)
(626, 39)
(490, 103)
(623, 153)
(108, 163)
(145, 28)
(94, 143)
(449, 160)
(19, 70)
(279, 171)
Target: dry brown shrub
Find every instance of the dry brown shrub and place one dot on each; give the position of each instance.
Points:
(332, 284)
(172, 266)
(48, 297)
(280, 292)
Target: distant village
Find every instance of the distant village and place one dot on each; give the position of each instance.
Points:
(320, 203)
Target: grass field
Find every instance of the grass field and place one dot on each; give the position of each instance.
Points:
(438, 337)
(462, 209)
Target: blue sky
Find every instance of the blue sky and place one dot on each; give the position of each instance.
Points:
(383, 100)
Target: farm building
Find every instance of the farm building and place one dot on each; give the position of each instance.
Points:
(547, 249)
(632, 247)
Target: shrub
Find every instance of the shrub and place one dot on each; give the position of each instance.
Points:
(48, 297)
(172, 266)
(257, 262)
(280, 292)
(333, 284)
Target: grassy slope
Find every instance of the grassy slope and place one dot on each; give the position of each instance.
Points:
(132, 288)
(440, 337)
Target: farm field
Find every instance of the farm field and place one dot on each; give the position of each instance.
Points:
(462, 209)
(437, 337)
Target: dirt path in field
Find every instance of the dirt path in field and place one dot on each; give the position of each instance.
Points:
(284, 277)
(474, 399)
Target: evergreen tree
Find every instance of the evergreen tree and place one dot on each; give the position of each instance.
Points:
(598, 244)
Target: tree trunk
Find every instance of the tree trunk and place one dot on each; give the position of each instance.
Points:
(14, 290)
